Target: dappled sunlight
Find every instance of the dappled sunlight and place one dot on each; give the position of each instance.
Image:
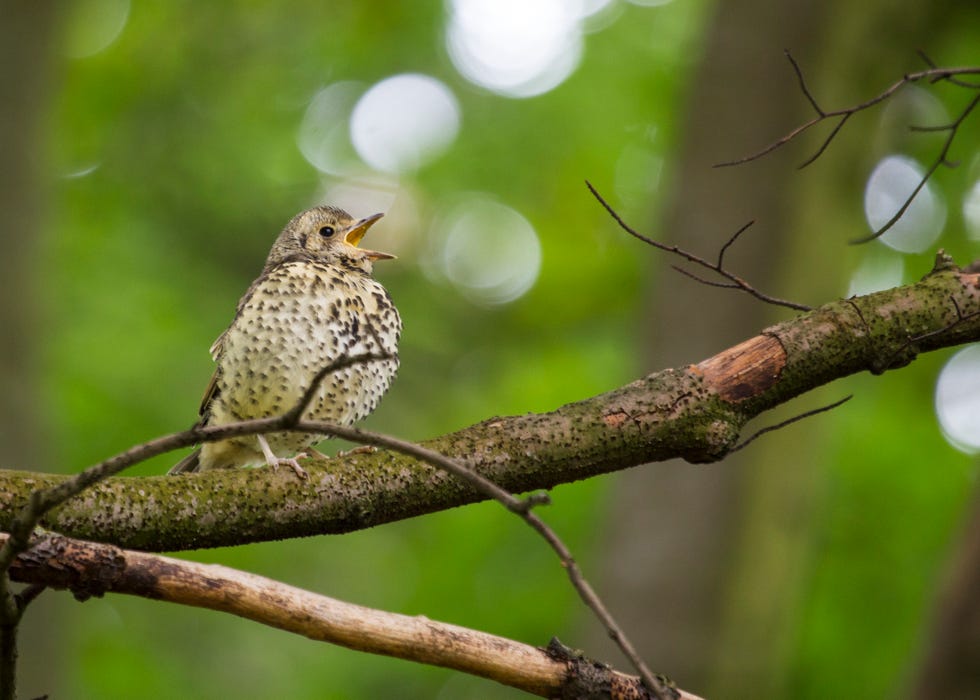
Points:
(876, 272)
(958, 400)
(487, 250)
(323, 136)
(890, 184)
(95, 26)
(638, 171)
(516, 48)
(403, 122)
(971, 211)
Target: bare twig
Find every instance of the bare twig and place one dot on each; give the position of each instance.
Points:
(29, 594)
(933, 74)
(10, 614)
(88, 569)
(790, 421)
(942, 159)
(734, 281)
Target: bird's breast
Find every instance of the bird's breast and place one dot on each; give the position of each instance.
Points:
(298, 319)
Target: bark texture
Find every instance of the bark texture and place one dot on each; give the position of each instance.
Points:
(695, 413)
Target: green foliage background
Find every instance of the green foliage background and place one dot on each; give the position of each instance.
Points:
(191, 116)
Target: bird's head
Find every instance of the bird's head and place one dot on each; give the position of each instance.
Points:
(326, 234)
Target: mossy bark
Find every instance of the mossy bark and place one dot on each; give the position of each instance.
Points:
(695, 412)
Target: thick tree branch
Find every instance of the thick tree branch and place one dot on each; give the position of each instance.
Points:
(89, 569)
(695, 413)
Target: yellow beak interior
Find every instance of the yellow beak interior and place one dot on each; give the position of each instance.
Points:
(357, 231)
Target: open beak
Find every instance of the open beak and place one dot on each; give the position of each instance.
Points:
(356, 232)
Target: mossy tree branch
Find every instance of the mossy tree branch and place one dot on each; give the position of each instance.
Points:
(695, 412)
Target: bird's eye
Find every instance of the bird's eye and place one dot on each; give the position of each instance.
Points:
(327, 231)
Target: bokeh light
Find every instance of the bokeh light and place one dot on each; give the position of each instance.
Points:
(638, 171)
(324, 137)
(403, 122)
(876, 272)
(516, 48)
(95, 26)
(487, 250)
(971, 211)
(958, 400)
(890, 184)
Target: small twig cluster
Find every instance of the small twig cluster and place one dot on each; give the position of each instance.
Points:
(933, 74)
(717, 267)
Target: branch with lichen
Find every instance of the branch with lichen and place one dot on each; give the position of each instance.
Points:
(696, 413)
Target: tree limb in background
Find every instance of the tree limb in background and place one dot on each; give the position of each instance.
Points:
(695, 412)
(933, 74)
(89, 569)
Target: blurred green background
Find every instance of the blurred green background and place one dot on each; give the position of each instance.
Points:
(155, 150)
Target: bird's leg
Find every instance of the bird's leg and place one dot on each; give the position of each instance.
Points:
(274, 461)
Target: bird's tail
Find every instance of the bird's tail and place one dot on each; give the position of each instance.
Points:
(190, 463)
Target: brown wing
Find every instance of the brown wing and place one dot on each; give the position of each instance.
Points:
(212, 391)
(209, 395)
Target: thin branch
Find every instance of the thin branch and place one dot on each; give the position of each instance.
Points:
(826, 142)
(941, 159)
(293, 415)
(790, 421)
(29, 594)
(10, 614)
(947, 78)
(89, 569)
(736, 282)
(803, 86)
(933, 74)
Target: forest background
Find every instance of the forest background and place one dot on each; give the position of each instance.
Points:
(156, 149)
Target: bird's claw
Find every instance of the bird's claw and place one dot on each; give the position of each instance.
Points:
(274, 461)
(292, 462)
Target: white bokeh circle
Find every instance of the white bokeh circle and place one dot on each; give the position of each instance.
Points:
(958, 399)
(403, 122)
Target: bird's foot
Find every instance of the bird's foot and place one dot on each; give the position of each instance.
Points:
(291, 461)
(274, 462)
(359, 450)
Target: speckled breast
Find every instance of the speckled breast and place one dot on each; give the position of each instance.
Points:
(300, 318)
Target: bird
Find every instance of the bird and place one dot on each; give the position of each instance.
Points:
(314, 304)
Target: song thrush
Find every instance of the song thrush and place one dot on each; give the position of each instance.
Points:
(314, 303)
